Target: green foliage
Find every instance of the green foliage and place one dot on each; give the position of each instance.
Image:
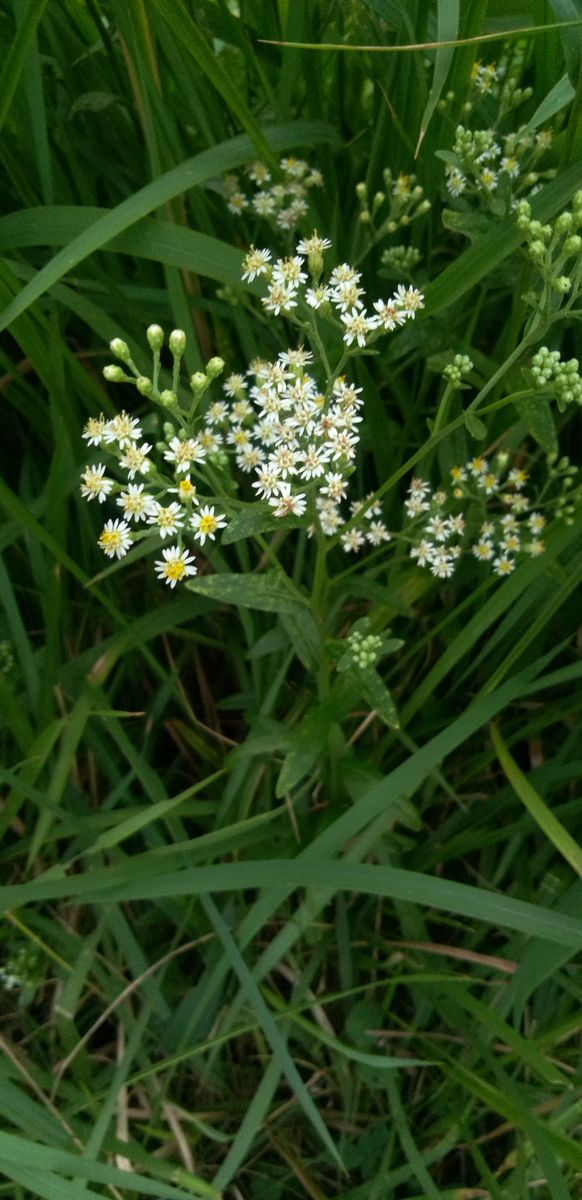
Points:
(290, 855)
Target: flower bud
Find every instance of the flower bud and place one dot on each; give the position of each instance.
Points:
(155, 336)
(199, 383)
(114, 374)
(144, 385)
(573, 245)
(169, 431)
(177, 342)
(120, 349)
(361, 191)
(214, 367)
(563, 223)
(562, 284)
(168, 398)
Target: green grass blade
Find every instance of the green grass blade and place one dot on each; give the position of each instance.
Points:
(15, 59)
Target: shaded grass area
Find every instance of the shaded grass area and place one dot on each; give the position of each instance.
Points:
(365, 984)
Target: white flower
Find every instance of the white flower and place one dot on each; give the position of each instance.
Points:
(536, 522)
(352, 540)
(168, 520)
(184, 452)
(287, 504)
(483, 550)
(314, 460)
(409, 299)
(217, 413)
(489, 180)
(256, 263)
(344, 274)
(136, 459)
(423, 553)
(186, 490)
(122, 429)
(281, 297)
(442, 564)
(234, 385)
(259, 172)
(249, 458)
(377, 533)
(175, 565)
(206, 522)
(335, 486)
(358, 326)
(317, 296)
(347, 295)
(134, 502)
(237, 202)
(535, 547)
(455, 180)
(478, 465)
(95, 486)
(94, 430)
(313, 245)
(115, 539)
(503, 565)
(264, 204)
(296, 358)
(289, 272)
(389, 314)
(439, 528)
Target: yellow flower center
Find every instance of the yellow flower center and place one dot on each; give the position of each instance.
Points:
(175, 570)
(207, 524)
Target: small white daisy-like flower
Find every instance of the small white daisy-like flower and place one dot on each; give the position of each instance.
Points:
(259, 172)
(489, 180)
(352, 540)
(217, 413)
(439, 498)
(456, 524)
(234, 385)
(389, 315)
(517, 478)
(184, 452)
(95, 485)
(288, 504)
(175, 565)
(335, 486)
(415, 505)
(249, 458)
(419, 487)
(478, 465)
(535, 547)
(280, 298)
(511, 543)
(237, 202)
(519, 504)
(136, 459)
(423, 553)
(536, 522)
(206, 522)
(296, 168)
(442, 564)
(94, 430)
(458, 474)
(317, 296)
(284, 461)
(503, 565)
(358, 327)
(483, 550)
(296, 358)
(210, 441)
(122, 429)
(377, 533)
(255, 264)
(313, 245)
(489, 482)
(313, 461)
(135, 502)
(409, 299)
(289, 271)
(346, 296)
(344, 274)
(240, 410)
(264, 204)
(509, 523)
(115, 539)
(168, 519)
(342, 444)
(488, 529)
(510, 164)
(439, 528)
(456, 182)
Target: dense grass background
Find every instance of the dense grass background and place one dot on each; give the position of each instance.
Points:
(364, 986)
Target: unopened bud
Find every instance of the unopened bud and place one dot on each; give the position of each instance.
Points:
(198, 383)
(120, 349)
(361, 191)
(177, 342)
(155, 336)
(563, 223)
(214, 367)
(563, 284)
(168, 398)
(114, 374)
(573, 245)
(144, 385)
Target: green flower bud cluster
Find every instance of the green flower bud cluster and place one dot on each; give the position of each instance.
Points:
(472, 145)
(404, 198)
(167, 398)
(455, 371)
(562, 471)
(364, 650)
(553, 246)
(548, 368)
(21, 968)
(401, 259)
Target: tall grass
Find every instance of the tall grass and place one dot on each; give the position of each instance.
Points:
(262, 938)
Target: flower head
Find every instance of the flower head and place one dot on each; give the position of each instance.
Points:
(175, 565)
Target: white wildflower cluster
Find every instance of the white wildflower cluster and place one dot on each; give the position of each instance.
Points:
(444, 525)
(283, 201)
(555, 247)
(501, 81)
(157, 499)
(298, 442)
(21, 969)
(295, 285)
(400, 203)
(478, 160)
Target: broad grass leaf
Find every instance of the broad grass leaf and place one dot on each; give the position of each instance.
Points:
(265, 593)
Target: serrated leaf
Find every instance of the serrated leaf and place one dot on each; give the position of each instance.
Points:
(265, 593)
(538, 419)
(474, 425)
